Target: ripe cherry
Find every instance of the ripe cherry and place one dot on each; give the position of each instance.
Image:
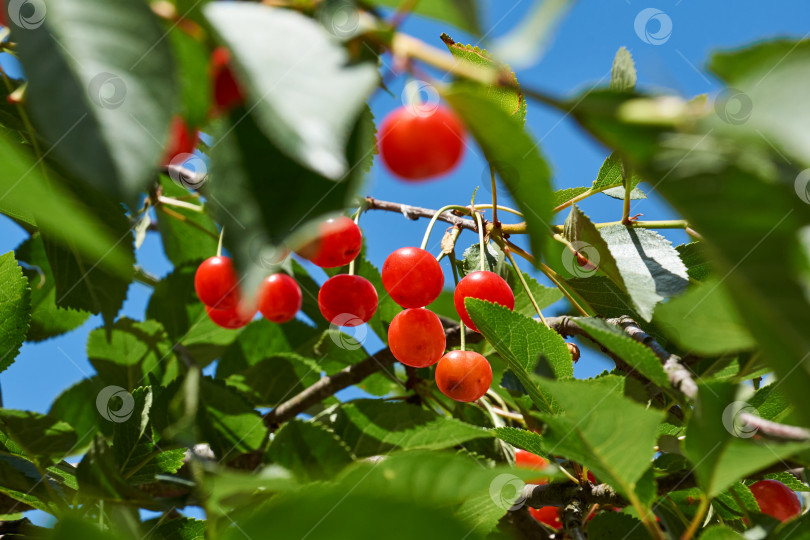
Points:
(416, 337)
(346, 300)
(550, 515)
(483, 285)
(182, 140)
(527, 460)
(338, 243)
(463, 375)
(230, 318)
(217, 284)
(279, 298)
(776, 499)
(227, 91)
(418, 144)
(412, 277)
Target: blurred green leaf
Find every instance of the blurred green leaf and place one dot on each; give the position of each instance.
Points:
(192, 61)
(371, 427)
(721, 451)
(103, 108)
(525, 44)
(229, 424)
(521, 342)
(310, 450)
(175, 529)
(15, 309)
(609, 525)
(41, 438)
(47, 319)
(704, 320)
(720, 532)
(460, 13)
(187, 236)
(274, 378)
(513, 154)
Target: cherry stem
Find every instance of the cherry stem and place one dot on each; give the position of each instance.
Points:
(356, 218)
(480, 221)
(462, 328)
(494, 195)
(180, 204)
(501, 207)
(699, 515)
(219, 244)
(627, 190)
(557, 280)
(525, 285)
(435, 218)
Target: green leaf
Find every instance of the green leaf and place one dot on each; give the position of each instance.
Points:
(611, 175)
(610, 525)
(299, 116)
(719, 457)
(618, 193)
(20, 480)
(544, 296)
(789, 480)
(526, 44)
(311, 451)
(641, 261)
(83, 281)
(228, 488)
(30, 198)
(511, 100)
(75, 526)
(191, 238)
(695, 258)
(460, 13)
(126, 354)
(193, 62)
(564, 195)
(638, 356)
(604, 296)
(521, 342)
(601, 429)
(330, 513)
(372, 427)
(15, 309)
(39, 437)
(47, 319)
(100, 478)
(719, 532)
(705, 321)
(522, 438)
(77, 407)
(623, 73)
(175, 305)
(175, 529)
(495, 260)
(513, 154)
(275, 378)
(229, 424)
(102, 107)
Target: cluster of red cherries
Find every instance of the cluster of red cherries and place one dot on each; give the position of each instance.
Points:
(774, 498)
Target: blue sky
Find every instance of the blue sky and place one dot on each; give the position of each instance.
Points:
(579, 56)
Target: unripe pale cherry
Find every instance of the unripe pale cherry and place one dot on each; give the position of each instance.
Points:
(416, 337)
(346, 300)
(463, 375)
(412, 277)
(483, 285)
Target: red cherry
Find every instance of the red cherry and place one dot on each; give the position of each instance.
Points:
(339, 242)
(417, 144)
(412, 277)
(182, 140)
(416, 337)
(346, 300)
(591, 478)
(227, 91)
(550, 515)
(483, 285)
(279, 298)
(776, 499)
(217, 284)
(230, 318)
(463, 375)
(527, 460)
(3, 20)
